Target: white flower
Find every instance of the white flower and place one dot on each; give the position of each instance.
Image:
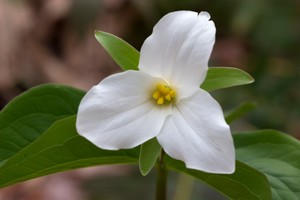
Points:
(163, 99)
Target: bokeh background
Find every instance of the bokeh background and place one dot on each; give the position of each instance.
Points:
(44, 41)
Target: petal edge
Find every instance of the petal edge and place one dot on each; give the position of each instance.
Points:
(112, 115)
(179, 48)
(202, 137)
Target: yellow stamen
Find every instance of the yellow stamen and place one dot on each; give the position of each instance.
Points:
(160, 100)
(168, 97)
(163, 94)
(156, 95)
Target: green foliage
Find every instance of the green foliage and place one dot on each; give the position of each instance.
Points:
(150, 151)
(276, 155)
(60, 148)
(245, 183)
(29, 115)
(224, 77)
(239, 111)
(275, 170)
(126, 56)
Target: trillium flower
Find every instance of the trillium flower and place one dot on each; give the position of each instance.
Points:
(163, 99)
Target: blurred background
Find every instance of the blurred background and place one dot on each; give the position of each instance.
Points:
(45, 41)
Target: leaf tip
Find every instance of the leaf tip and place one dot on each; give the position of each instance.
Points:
(143, 171)
(251, 79)
(97, 33)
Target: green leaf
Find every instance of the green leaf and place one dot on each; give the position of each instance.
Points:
(277, 156)
(239, 111)
(224, 77)
(29, 115)
(60, 148)
(126, 56)
(150, 151)
(245, 183)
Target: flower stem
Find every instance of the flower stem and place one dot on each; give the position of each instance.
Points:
(161, 181)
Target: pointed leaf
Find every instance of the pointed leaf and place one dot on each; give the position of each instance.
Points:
(126, 56)
(277, 156)
(224, 77)
(245, 183)
(239, 111)
(29, 115)
(60, 148)
(150, 151)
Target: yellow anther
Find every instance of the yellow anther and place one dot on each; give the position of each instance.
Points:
(165, 90)
(156, 95)
(163, 94)
(160, 100)
(160, 86)
(172, 93)
(168, 97)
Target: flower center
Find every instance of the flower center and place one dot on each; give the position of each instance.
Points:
(163, 94)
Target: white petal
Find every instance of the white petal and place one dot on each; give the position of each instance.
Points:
(179, 48)
(197, 134)
(119, 112)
